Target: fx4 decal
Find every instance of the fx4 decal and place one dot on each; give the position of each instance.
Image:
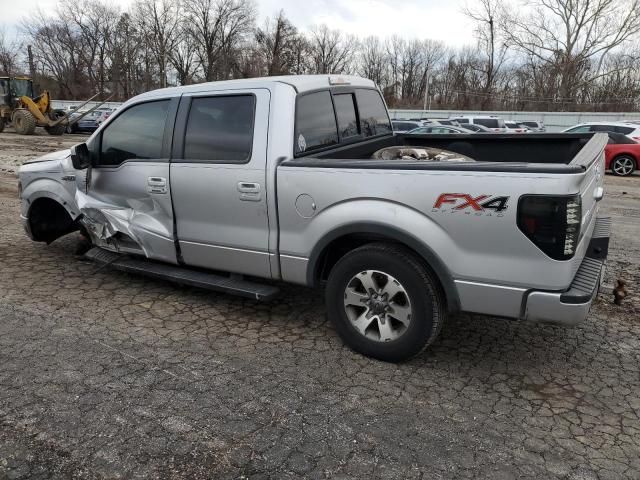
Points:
(468, 204)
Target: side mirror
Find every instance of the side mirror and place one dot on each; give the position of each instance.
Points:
(80, 156)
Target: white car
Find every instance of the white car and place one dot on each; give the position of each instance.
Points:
(630, 129)
(534, 126)
(513, 127)
(496, 124)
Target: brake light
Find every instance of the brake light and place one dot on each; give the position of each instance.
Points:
(551, 223)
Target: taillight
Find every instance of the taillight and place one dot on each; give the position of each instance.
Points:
(551, 223)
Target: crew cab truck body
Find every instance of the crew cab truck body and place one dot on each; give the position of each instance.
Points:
(222, 184)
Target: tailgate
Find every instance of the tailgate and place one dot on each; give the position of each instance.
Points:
(591, 157)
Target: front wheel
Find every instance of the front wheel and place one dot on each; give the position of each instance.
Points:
(623, 166)
(384, 302)
(24, 122)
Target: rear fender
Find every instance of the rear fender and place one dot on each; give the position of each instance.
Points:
(384, 219)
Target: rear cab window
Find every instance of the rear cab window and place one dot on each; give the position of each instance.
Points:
(330, 117)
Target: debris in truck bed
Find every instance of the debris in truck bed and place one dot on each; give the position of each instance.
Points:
(426, 154)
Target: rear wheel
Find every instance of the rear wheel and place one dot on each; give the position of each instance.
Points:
(24, 122)
(384, 302)
(1, 124)
(623, 165)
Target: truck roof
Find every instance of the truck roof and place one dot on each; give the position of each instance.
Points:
(302, 83)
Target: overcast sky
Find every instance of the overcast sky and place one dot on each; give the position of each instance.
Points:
(437, 19)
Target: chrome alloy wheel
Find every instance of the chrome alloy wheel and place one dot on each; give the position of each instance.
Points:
(623, 166)
(377, 305)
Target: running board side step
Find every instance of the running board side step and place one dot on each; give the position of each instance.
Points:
(234, 285)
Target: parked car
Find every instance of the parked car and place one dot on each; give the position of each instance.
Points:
(622, 154)
(439, 129)
(104, 114)
(513, 127)
(472, 127)
(88, 123)
(629, 129)
(453, 123)
(402, 126)
(496, 124)
(300, 179)
(535, 127)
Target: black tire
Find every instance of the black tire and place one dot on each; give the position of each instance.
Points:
(1, 124)
(426, 299)
(59, 129)
(24, 122)
(623, 166)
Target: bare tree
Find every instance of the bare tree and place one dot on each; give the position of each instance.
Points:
(277, 43)
(573, 38)
(373, 60)
(217, 28)
(93, 24)
(488, 16)
(158, 25)
(9, 54)
(330, 50)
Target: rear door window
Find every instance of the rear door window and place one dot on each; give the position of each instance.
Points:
(220, 129)
(315, 122)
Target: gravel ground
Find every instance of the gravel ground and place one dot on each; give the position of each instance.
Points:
(15, 149)
(107, 375)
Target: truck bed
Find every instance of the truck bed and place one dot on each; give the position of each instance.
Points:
(533, 153)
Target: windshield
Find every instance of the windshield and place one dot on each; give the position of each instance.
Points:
(22, 87)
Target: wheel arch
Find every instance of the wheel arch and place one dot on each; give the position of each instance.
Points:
(49, 218)
(336, 243)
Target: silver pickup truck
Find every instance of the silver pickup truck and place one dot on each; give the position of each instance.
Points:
(300, 179)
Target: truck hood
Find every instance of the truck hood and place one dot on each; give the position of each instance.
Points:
(59, 155)
(51, 162)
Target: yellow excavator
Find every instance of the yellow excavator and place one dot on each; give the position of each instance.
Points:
(19, 106)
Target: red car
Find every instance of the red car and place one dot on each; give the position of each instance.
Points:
(621, 154)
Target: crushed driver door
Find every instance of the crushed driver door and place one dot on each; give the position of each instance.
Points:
(126, 202)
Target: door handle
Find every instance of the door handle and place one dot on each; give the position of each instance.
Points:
(156, 185)
(249, 191)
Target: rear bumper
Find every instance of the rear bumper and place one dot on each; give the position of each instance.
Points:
(572, 306)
